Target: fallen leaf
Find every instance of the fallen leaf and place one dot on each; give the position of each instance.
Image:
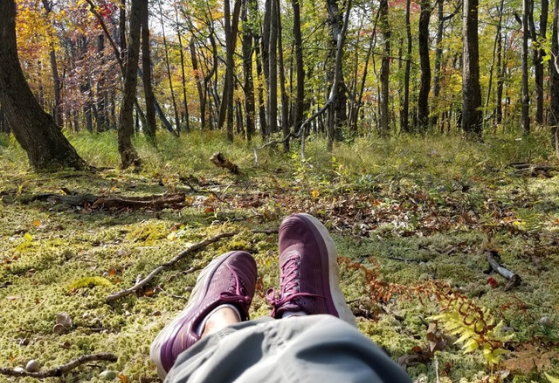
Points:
(37, 222)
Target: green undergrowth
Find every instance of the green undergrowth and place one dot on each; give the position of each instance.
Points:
(416, 212)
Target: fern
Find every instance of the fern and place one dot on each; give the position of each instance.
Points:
(475, 328)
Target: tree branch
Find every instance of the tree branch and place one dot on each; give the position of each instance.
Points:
(60, 370)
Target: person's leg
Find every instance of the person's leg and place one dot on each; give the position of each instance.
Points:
(221, 297)
(311, 348)
(310, 282)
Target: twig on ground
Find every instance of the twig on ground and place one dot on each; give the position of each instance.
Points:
(171, 262)
(404, 259)
(178, 257)
(513, 278)
(60, 370)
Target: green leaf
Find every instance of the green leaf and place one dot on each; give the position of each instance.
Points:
(552, 379)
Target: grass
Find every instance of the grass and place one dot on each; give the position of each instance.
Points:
(438, 201)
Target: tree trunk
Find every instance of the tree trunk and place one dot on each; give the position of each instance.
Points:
(102, 97)
(472, 115)
(298, 42)
(248, 8)
(198, 77)
(35, 130)
(425, 87)
(438, 60)
(492, 66)
(525, 122)
(264, 132)
(128, 154)
(501, 63)
(404, 113)
(183, 76)
(57, 110)
(149, 128)
(284, 97)
(385, 67)
(539, 56)
(554, 89)
(168, 67)
(273, 70)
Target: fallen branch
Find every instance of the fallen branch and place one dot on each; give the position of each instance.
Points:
(97, 202)
(513, 278)
(174, 260)
(60, 370)
(171, 262)
(151, 202)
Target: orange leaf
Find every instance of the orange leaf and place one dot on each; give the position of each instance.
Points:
(123, 378)
(37, 222)
(112, 272)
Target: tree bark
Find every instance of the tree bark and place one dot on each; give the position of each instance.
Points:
(183, 76)
(404, 112)
(273, 69)
(264, 132)
(425, 87)
(472, 115)
(525, 122)
(299, 65)
(198, 77)
(35, 130)
(554, 89)
(385, 67)
(150, 127)
(128, 154)
(284, 98)
(438, 60)
(248, 8)
(168, 67)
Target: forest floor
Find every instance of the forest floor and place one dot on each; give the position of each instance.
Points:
(413, 218)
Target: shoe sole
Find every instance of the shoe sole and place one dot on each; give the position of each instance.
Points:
(333, 286)
(198, 293)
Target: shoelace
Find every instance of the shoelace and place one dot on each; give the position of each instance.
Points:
(288, 286)
(236, 293)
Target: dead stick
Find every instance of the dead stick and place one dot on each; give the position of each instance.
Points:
(60, 370)
(178, 257)
(514, 279)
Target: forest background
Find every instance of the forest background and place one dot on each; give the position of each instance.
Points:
(421, 133)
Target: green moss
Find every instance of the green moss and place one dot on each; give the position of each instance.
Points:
(89, 282)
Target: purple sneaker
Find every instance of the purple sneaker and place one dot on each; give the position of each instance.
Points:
(310, 281)
(228, 279)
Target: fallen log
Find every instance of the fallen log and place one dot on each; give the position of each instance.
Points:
(60, 370)
(513, 278)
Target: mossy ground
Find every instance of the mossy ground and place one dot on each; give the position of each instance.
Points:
(438, 201)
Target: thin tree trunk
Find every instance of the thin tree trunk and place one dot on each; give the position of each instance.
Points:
(168, 67)
(554, 89)
(150, 127)
(525, 122)
(385, 67)
(264, 132)
(273, 69)
(128, 154)
(298, 42)
(438, 60)
(425, 87)
(57, 110)
(199, 80)
(284, 99)
(472, 116)
(491, 67)
(248, 8)
(183, 76)
(404, 113)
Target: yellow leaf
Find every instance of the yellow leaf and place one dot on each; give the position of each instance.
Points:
(28, 237)
(552, 379)
(315, 193)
